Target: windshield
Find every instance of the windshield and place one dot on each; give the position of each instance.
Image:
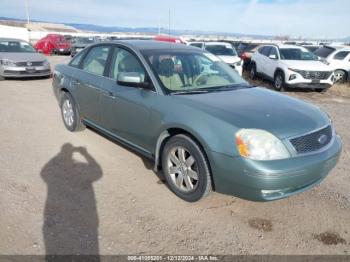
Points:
(185, 71)
(16, 47)
(221, 50)
(296, 54)
(85, 40)
(324, 51)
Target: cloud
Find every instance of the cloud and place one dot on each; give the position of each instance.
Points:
(312, 18)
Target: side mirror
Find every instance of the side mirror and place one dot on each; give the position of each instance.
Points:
(131, 79)
(272, 56)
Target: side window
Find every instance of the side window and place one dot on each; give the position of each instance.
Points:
(94, 62)
(75, 62)
(273, 51)
(266, 50)
(341, 55)
(260, 49)
(125, 62)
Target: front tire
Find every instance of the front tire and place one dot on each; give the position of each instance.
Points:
(186, 168)
(70, 114)
(278, 82)
(340, 76)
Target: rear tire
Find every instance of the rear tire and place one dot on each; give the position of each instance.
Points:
(186, 168)
(278, 82)
(70, 114)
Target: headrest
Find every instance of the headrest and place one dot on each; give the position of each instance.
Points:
(166, 67)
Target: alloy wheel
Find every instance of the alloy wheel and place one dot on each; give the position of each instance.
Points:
(68, 112)
(183, 169)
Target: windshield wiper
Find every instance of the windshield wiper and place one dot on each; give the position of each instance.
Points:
(190, 92)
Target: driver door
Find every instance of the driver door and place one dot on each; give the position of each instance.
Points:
(126, 110)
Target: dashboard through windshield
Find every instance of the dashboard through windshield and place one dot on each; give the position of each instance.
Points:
(181, 71)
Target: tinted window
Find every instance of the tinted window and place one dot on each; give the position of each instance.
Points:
(95, 60)
(324, 51)
(341, 55)
(266, 50)
(197, 45)
(221, 50)
(125, 62)
(273, 51)
(296, 54)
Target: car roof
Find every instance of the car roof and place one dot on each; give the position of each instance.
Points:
(218, 43)
(153, 45)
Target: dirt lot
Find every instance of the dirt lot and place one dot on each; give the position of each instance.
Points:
(108, 200)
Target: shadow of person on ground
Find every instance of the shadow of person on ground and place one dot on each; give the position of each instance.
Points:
(70, 215)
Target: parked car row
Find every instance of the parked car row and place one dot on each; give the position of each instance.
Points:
(291, 66)
(225, 51)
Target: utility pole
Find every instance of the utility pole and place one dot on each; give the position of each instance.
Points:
(27, 11)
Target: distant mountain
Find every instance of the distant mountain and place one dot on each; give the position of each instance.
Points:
(150, 30)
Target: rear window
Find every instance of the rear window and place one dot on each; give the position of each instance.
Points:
(247, 47)
(200, 45)
(324, 51)
(341, 55)
(221, 50)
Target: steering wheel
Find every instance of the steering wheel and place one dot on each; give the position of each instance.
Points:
(201, 79)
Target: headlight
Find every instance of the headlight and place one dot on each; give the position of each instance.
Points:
(46, 63)
(7, 62)
(259, 144)
(239, 63)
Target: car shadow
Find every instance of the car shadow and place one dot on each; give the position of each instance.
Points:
(70, 216)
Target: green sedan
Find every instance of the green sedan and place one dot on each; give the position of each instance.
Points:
(203, 125)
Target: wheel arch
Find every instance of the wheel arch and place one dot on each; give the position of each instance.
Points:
(173, 131)
(278, 69)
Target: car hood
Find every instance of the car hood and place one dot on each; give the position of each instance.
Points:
(307, 65)
(22, 57)
(229, 59)
(259, 108)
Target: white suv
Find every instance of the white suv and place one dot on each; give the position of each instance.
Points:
(225, 51)
(291, 66)
(339, 59)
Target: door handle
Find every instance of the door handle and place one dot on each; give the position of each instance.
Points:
(109, 94)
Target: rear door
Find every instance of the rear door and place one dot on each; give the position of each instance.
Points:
(88, 80)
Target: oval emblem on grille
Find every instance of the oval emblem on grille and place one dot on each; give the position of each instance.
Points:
(322, 139)
(29, 63)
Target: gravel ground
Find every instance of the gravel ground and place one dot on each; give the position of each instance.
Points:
(67, 193)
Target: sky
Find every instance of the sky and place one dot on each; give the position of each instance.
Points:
(305, 18)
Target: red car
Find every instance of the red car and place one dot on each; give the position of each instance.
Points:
(53, 44)
(167, 38)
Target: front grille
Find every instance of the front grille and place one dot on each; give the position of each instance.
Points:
(23, 73)
(36, 63)
(313, 141)
(315, 75)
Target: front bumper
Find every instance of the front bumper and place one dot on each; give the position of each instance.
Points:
(310, 85)
(271, 180)
(22, 72)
